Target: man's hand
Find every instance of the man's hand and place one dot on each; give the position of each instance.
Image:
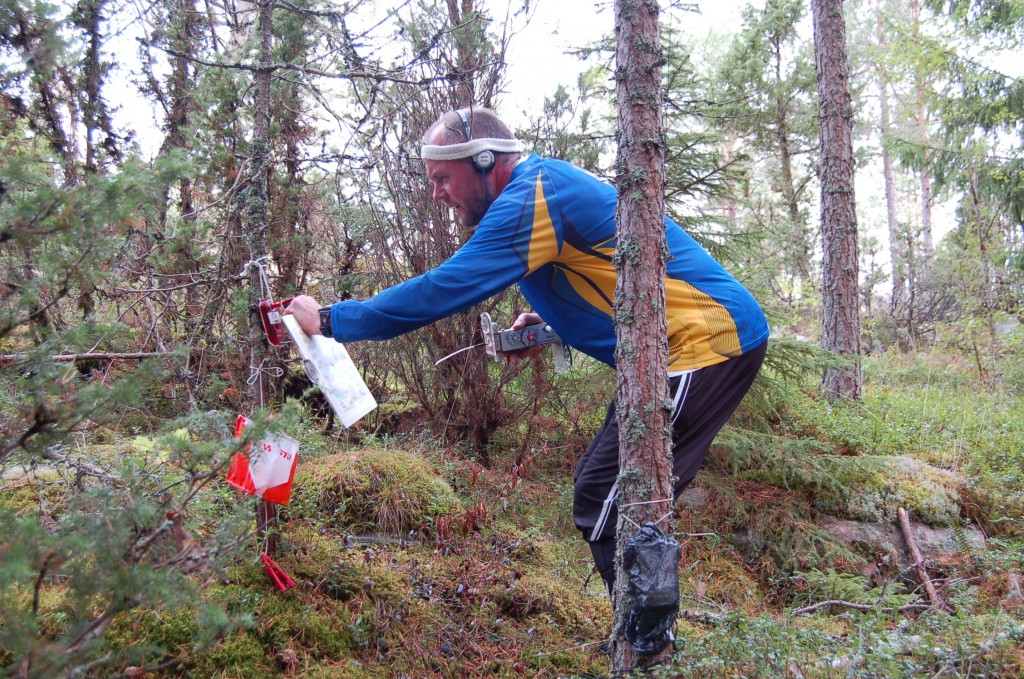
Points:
(521, 322)
(307, 312)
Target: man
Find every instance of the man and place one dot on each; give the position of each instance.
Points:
(549, 227)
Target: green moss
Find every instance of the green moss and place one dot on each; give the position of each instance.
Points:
(373, 490)
(26, 495)
(713, 575)
(540, 600)
(141, 634)
(239, 655)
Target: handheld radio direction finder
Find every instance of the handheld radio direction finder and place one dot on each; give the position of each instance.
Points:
(498, 342)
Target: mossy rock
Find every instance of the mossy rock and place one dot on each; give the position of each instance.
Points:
(873, 487)
(373, 490)
(765, 523)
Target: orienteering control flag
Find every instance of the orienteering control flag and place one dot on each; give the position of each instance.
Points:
(268, 472)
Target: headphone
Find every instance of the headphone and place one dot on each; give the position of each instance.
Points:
(483, 161)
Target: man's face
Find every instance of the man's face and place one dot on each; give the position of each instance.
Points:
(461, 187)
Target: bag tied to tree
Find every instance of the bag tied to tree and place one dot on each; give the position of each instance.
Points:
(651, 563)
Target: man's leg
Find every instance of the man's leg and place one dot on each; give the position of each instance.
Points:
(594, 496)
(703, 401)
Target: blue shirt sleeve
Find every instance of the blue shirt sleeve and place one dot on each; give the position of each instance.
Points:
(497, 255)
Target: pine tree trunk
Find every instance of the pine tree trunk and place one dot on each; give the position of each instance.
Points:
(645, 457)
(841, 311)
(927, 239)
(93, 114)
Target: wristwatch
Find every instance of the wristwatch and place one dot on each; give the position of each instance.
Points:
(325, 321)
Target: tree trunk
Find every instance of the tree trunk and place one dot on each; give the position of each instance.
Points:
(467, 40)
(257, 213)
(799, 252)
(920, 90)
(897, 256)
(841, 311)
(645, 456)
(181, 90)
(927, 239)
(93, 113)
(989, 282)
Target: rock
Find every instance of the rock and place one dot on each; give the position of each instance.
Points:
(887, 539)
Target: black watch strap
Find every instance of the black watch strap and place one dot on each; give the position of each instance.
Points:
(325, 321)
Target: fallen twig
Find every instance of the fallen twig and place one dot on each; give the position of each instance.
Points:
(857, 607)
(80, 465)
(703, 617)
(922, 572)
(1015, 587)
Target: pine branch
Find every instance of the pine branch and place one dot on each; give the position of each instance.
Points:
(379, 77)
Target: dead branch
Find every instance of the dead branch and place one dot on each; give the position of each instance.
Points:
(856, 607)
(99, 624)
(101, 356)
(84, 467)
(703, 617)
(922, 572)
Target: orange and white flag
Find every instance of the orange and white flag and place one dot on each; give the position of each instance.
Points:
(268, 471)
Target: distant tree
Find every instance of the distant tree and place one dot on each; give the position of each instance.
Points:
(980, 159)
(568, 129)
(897, 242)
(840, 285)
(765, 85)
(903, 59)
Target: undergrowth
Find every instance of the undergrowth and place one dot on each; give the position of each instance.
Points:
(411, 560)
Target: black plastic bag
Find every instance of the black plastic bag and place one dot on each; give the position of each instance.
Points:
(651, 563)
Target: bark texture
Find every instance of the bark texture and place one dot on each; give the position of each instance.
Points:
(840, 299)
(257, 210)
(645, 458)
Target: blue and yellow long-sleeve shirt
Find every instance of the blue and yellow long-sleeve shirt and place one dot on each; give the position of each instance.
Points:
(552, 231)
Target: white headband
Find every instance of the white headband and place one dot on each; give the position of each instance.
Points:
(468, 149)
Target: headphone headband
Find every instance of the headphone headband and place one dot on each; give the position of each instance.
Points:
(469, 148)
(479, 151)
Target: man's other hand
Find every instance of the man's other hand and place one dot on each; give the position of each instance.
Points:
(307, 312)
(521, 322)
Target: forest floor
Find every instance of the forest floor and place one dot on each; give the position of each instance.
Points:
(411, 560)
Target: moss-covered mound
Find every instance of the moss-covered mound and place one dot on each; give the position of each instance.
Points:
(373, 490)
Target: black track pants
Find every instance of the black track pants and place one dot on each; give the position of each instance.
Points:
(704, 400)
